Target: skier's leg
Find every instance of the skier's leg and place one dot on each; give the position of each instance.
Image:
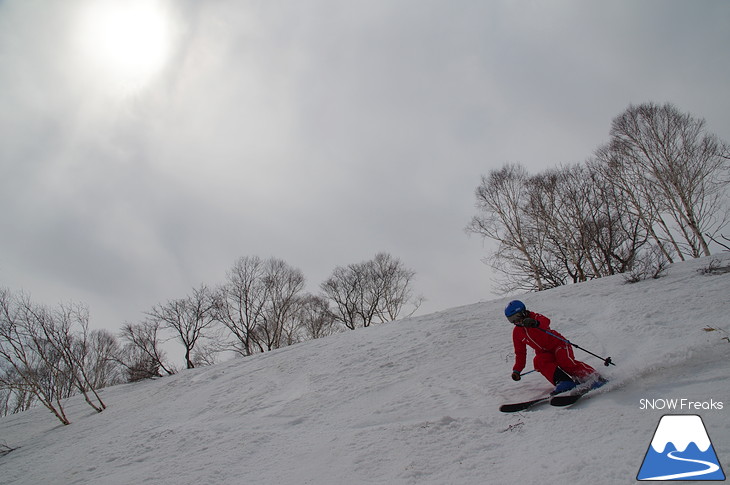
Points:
(544, 363)
(566, 360)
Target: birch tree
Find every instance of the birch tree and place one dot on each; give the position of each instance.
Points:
(189, 318)
(142, 355)
(501, 199)
(242, 302)
(259, 303)
(374, 291)
(282, 286)
(679, 169)
(47, 352)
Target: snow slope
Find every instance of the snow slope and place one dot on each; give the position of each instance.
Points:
(412, 402)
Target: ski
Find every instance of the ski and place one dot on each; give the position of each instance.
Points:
(562, 401)
(559, 400)
(522, 406)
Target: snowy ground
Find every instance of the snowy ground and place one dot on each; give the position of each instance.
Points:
(413, 402)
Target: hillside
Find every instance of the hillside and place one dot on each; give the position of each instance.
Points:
(413, 402)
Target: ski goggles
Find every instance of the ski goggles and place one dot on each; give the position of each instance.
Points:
(516, 317)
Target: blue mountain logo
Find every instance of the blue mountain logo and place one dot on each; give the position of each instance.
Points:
(681, 450)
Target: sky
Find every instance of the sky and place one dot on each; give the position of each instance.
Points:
(145, 145)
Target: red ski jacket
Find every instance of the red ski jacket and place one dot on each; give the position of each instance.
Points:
(537, 339)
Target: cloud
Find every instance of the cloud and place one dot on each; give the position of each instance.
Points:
(318, 132)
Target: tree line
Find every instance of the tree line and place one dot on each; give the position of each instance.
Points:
(655, 193)
(48, 354)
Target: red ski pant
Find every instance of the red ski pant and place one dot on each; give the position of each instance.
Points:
(547, 362)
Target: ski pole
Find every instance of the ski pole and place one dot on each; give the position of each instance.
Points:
(606, 361)
(528, 372)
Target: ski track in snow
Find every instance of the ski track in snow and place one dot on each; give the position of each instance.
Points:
(412, 402)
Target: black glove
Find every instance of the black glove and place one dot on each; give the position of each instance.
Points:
(516, 375)
(530, 323)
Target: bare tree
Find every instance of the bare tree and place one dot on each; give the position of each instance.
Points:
(374, 291)
(345, 289)
(73, 347)
(259, 302)
(679, 168)
(243, 300)
(142, 356)
(283, 285)
(555, 211)
(315, 317)
(206, 353)
(15, 396)
(588, 234)
(189, 318)
(618, 234)
(48, 350)
(716, 241)
(660, 186)
(102, 359)
(34, 365)
(395, 283)
(501, 199)
(640, 201)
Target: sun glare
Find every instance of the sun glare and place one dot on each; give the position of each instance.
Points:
(126, 41)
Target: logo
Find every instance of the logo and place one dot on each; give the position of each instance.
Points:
(681, 450)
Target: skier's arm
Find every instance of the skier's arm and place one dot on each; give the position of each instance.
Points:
(520, 352)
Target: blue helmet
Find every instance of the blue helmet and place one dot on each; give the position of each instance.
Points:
(514, 307)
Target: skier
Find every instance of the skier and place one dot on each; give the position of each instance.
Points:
(554, 357)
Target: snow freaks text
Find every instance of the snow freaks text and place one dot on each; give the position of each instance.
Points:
(679, 404)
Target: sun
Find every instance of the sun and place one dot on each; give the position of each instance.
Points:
(127, 42)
